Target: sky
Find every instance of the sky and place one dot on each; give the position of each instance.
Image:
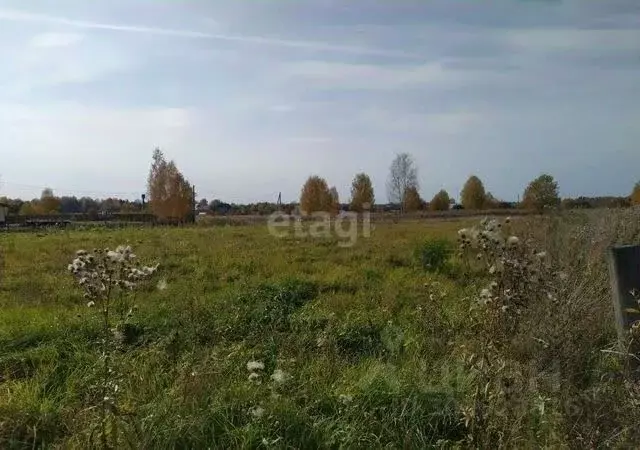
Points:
(252, 97)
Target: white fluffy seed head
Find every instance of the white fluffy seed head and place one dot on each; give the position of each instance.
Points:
(279, 376)
(253, 366)
(513, 241)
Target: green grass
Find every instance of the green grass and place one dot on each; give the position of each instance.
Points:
(374, 340)
(353, 327)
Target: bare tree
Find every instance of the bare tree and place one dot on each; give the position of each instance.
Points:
(403, 175)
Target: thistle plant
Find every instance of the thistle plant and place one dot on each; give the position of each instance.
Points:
(517, 275)
(109, 278)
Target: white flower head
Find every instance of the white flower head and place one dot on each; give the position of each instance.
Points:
(513, 241)
(147, 271)
(254, 377)
(124, 249)
(279, 376)
(162, 285)
(91, 304)
(345, 399)
(257, 412)
(115, 256)
(253, 366)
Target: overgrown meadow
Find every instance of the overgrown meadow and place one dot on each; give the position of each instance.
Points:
(428, 334)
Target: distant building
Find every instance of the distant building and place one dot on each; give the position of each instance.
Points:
(4, 212)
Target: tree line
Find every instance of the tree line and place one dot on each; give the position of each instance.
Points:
(170, 196)
(48, 203)
(403, 191)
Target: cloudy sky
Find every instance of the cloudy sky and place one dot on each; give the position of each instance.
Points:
(252, 97)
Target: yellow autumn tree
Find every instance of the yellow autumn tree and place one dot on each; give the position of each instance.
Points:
(170, 194)
(316, 196)
(541, 193)
(335, 200)
(362, 197)
(440, 202)
(28, 209)
(635, 195)
(48, 203)
(411, 200)
(473, 195)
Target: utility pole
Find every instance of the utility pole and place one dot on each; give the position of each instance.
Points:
(195, 205)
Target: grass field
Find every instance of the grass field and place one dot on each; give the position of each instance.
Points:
(361, 347)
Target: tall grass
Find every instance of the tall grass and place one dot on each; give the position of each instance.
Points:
(256, 342)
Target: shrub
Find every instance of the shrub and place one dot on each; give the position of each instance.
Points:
(537, 330)
(433, 255)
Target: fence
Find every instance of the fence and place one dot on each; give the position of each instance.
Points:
(624, 269)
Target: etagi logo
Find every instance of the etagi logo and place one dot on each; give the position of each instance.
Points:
(322, 225)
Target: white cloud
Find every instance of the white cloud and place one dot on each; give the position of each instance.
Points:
(19, 16)
(86, 139)
(172, 117)
(80, 148)
(52, 59)
(48, 40)
(310, 139)
(281, 108)
(326, 74)
(565, 39)
(391, 121)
